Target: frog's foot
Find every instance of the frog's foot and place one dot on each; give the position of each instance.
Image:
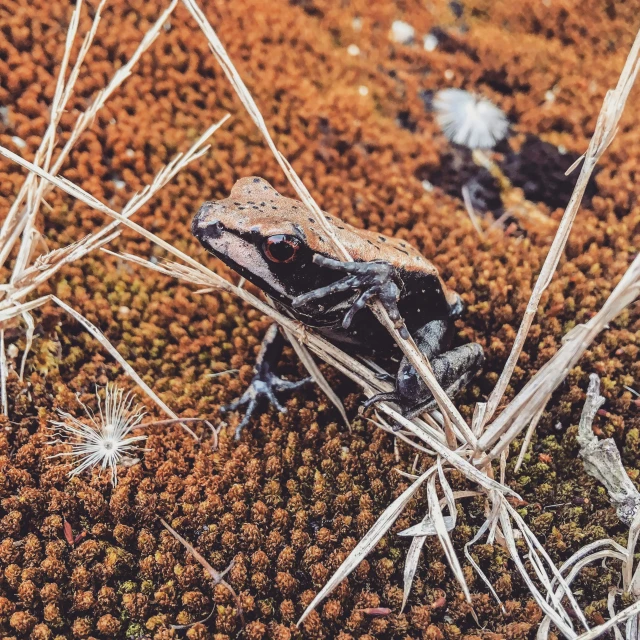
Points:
(264, 386)
(370, 278)
(425, 405)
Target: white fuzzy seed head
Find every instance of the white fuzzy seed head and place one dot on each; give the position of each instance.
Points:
(430, 42)
(469, 120)
(100, 439)
(402, 32)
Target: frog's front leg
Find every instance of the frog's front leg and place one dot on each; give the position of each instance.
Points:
(373, 278)
(265, 383)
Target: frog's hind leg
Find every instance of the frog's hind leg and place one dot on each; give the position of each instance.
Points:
(265, 383)
(453, 369)
(432, 339)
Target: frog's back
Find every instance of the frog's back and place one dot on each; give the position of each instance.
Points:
(263, 203)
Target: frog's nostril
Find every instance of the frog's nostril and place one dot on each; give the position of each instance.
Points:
(215, 229)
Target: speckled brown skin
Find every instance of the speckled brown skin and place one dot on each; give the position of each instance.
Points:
(290, 500)
(255, 206)
(236, 229)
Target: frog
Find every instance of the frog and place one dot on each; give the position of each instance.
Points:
(279, 245)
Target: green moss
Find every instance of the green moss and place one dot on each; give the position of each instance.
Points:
(129, 586)
(135, 630)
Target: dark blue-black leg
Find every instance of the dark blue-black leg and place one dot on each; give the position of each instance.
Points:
(371, 279)
(453, 369)
(265, 383)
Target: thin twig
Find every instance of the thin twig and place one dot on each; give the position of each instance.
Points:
(3, 375)
(602, 459)
(468, 204)
(528, 436)
(218, 578)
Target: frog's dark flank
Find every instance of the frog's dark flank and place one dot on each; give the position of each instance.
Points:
(278, 245)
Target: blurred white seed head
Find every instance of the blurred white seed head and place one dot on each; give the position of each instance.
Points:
(402, 32)
(430, 42)
(100, 439)
(469, 120)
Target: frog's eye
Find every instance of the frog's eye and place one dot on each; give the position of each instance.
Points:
(281, 248)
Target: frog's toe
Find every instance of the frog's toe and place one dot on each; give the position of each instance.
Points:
(360, 303)
(280, 384)
(232, 406)
(346, 284)
(388, 295)
(371, 279)
(251, 408)
(390, 396)
(263, 387)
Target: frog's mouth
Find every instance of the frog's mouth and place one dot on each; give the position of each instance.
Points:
(237, 252)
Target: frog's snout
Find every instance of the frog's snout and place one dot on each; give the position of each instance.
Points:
(205, 224)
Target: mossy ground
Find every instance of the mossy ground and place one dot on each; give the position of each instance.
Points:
(291, 499)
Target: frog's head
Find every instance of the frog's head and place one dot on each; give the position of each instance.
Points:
(261, 235)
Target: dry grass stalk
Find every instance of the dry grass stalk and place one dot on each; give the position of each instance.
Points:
(533, 397)
(3, 375)
(529, 435)
(408, 346)
(553, 609)
(442, 528)
(46, 265)
(468, 205)
(14, 311)
(32, 190)
(604, 133)
(630, 613)
(411, 562)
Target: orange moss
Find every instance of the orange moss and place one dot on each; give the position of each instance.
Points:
(289, 502)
